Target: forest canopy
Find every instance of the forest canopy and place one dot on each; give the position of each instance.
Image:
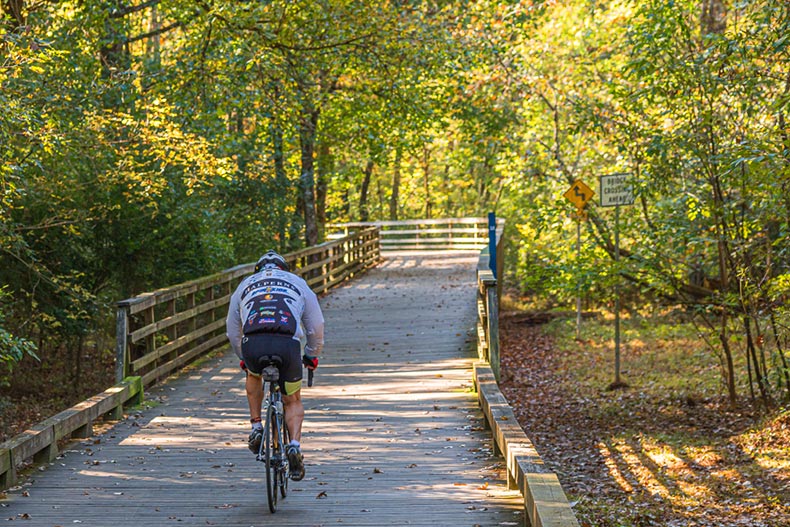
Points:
(146, 142)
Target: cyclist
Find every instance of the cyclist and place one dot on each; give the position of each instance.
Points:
(271, 313)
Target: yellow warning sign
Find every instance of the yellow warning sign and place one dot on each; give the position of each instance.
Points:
(579, 194)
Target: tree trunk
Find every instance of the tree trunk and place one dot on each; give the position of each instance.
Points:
(426, 170)
(363, 193)
(325, 166)
(307, 134)
(153, 44)
(346, 203)
(12, 14)
(394, 199)
(280, 179)
(759, 367)
(784, 132)
(447, 191)
(380, 194)
(781, 352)
(115, 55)
(725, 346)
(713, 17)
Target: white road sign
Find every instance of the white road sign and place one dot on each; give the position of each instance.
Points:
(616, 190)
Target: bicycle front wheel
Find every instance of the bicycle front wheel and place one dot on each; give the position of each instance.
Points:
(269, 443)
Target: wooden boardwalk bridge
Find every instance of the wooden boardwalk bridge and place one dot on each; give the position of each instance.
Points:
(394, 432)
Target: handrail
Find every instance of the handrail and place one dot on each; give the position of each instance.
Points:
(180, 322)
(489, 290)
(40, 442)
(545, 502)
(160, 331)
(460, 234)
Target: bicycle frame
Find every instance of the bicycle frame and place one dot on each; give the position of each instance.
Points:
(275, 434)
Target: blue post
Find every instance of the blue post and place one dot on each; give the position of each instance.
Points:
(492, 242)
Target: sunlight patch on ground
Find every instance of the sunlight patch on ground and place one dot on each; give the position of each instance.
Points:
(197, 433)
(635, 461)
(614, 470)
(183, 478)
(775, 461)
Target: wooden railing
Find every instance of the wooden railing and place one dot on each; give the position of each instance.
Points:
(159, 332)
(488, 293)
(40, 442)
(545, 502)
(435, 234)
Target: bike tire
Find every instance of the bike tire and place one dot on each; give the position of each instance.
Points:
(283, 472)
(271, 470)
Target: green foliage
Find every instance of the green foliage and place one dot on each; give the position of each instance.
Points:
(144, 145)
(12, 348)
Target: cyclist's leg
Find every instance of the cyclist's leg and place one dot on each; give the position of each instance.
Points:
(254, 387)
(294, 414)
(291, 384)
(290, 351)
(252, 348)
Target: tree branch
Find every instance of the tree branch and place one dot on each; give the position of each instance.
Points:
(154, 33)
(120, 13)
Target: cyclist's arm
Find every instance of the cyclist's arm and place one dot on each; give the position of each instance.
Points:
(313, 320)
(233, 326)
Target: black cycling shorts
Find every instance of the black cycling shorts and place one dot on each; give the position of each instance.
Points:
(255, 346)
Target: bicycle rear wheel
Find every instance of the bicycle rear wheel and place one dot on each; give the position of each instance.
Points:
(269, 442)
(283, 468)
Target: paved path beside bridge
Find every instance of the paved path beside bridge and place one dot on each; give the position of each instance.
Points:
(393, 434)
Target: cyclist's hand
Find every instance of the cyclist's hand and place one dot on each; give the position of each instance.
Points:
(242, 365)
(310, 362)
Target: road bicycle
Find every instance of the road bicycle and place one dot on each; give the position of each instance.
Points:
(275, 433)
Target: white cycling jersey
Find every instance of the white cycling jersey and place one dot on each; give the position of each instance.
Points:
(276, 302)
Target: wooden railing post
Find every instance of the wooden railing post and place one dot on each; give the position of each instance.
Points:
(121, 343)
(490, 318)
(492, 331)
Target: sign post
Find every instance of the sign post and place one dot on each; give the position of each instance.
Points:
(579, 194)
(616, 190)
(492, 242)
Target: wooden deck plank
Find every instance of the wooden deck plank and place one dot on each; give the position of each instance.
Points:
(393, 434)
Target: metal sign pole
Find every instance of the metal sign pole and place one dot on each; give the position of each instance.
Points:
(492, 242)
(617, 296)
(579, 194)
(616, 190)
(579, 280)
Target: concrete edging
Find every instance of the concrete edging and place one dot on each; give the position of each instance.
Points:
(544, 500)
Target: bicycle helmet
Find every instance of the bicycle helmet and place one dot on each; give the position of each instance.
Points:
(272, 259)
